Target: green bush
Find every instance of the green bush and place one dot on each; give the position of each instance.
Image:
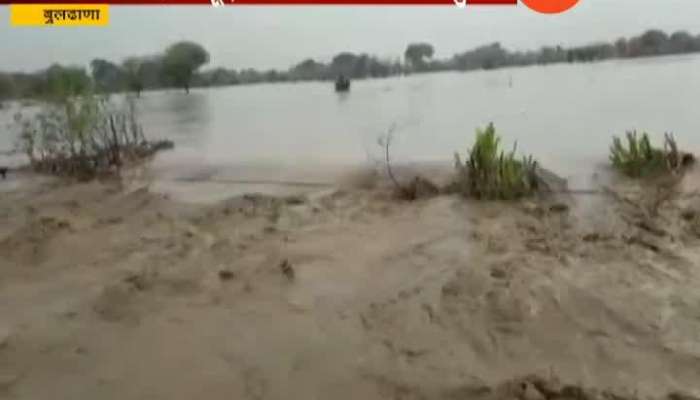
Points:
(83, 136)
(638, 158)
(491, 173)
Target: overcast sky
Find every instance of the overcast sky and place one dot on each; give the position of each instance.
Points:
(277, 37)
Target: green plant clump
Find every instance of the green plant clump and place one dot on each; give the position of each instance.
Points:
(491, 173)
(84, 136)
(638, 158)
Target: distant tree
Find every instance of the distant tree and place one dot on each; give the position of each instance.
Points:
(521, 58)
(250, 75)
(8, 89)
(417, 53)
(379, 69)
(343, 64)
(180, 64)
(108, 77)
(152, 72)
(309, 69)
(483, 57)
(682, 42)
(216, 77)
(592, 52)
(273, 75)
(181, 61)
(652, 42)
(222, 76)
(621, 47)
(65, 81)
(28, 85)
(655, 40)
(132, 71)
(143, 73)
(549, 55)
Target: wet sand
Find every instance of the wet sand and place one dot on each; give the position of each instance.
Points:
(116, 291)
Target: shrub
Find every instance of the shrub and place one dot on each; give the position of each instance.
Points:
(638, 158)
(83, 136)
(491, 173)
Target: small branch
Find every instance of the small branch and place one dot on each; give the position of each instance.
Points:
(387, 144)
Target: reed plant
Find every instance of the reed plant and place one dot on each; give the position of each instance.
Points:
(636, 157)
(491, 173)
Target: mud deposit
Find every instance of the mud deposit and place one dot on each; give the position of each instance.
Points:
(116, 292)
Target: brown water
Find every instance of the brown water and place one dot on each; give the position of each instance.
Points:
(563, 114)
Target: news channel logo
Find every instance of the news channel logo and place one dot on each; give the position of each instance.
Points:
(541, 6)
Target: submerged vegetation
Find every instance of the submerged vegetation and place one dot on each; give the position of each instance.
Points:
(84, 136)
(491, 173)
(636, 157)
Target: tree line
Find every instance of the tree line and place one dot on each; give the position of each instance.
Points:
(179, 66)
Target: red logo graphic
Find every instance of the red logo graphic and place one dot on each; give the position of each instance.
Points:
(550, 6)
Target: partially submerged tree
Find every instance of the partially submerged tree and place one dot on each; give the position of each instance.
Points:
(61, 82)
(343, 64)
(143, 73)
(134, 79)
(83, 135)
(181, 60)
(308, 69)
(416, 55)
(483, 57)
(108, 77)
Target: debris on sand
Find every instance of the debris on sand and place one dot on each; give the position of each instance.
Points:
(4, 336)
(138, 281)
(559, 208)
(295, 200)
(533, 208)
(287, 270)
(535, 387)
(7, 380)
(688, 215)
(226, 275)
(116, 304)
(648, 227)
(419, 188)
(110, 221)
(51, 223)
(681, 396)
(549, 182)
(591, 237)
(644, 243)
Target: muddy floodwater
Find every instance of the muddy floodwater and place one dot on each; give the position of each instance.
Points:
(564, 114)
(145, 288)
(301, 132)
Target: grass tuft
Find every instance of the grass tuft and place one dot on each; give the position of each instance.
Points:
(637, 158)
(491, 173)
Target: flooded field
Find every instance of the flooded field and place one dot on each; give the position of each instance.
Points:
(304, 132)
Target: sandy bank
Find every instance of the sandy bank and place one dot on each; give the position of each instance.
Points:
(116, 292)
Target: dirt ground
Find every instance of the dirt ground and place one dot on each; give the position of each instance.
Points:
(112, 291)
